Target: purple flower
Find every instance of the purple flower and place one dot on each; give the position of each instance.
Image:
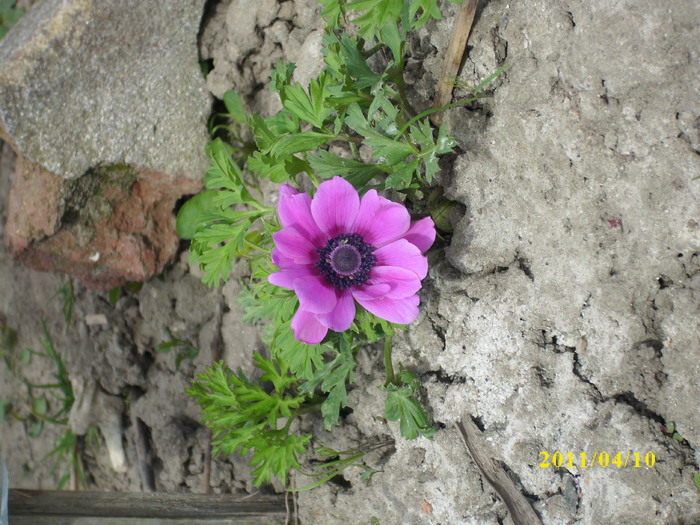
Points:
(336, 249)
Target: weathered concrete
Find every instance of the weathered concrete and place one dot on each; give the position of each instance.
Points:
(565, 317)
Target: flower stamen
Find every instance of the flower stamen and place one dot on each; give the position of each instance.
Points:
(346, 261)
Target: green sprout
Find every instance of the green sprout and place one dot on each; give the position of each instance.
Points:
(48, 403)
(185, 349)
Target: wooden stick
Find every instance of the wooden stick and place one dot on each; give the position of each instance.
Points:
(453, 56)
(39, 507)
(520, 510)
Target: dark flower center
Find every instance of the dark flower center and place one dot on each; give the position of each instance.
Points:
(345, 261)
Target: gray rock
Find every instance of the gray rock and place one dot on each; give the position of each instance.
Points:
(85, 83)
(245, 39)
(106, 107)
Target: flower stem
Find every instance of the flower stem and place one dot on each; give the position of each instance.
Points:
(314, 178)
(388, 366)
(313, 405)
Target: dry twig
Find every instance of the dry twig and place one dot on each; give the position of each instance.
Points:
(453, 56)
(520, 510)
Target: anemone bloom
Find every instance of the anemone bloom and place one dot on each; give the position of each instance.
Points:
(336, 249)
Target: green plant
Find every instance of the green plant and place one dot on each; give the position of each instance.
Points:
(47, 403)
(670, 431)
(66, 297)
(115, 293)
(67, 452)
(244, 415)
(332, 463)
(9, 14)
(186, 350)
(353, 121)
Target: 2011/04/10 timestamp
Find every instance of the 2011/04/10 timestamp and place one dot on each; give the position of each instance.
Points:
(603, 459)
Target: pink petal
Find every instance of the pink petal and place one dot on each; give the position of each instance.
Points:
(380, 220)
(293, 244)
(281, 260)
(287, 190)
(402, 282)
(287, 275)
(307, 329)
(403, 254)
(342, 316)
(369, 292)
(334, 207)
(295, 210)
(315, 295)
(422, 234)
(401, 311)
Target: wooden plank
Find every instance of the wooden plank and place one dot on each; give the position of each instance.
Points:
(53, 520)
(39, 507)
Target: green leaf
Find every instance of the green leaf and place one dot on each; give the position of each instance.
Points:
(353, 61)
(8, 16)
(235, 108)
(4, 410)
(332, 11)
(281, 76)
(387, 150)
(35, 428)
(303, 359)
(428, 9)
(383, 112)
(371, 327)
(309, 106)
(275, 372)
(332, 379)
(422, 134)
(267, 302)
(392, 38)
(355, 119)
(377, 14)
(223, 172)
(283, 122)
(276, 453)
(440, 211)
(195, 213)
(402, 406)
(40, 406)
(328, 165)
(697, 480)
(402, 177)
(114, 294)
(238, 410)
(268, 167)
(431, 166)
(264, 137)
(286, 145)
(188, 351)
(133, 286)
(25, 356)
(214, 258)
(444, 143)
